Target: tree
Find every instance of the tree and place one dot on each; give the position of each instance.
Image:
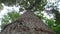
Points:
(29, 24)
(35, 5)
(26, 4)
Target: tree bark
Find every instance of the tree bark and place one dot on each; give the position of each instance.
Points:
(28, 23)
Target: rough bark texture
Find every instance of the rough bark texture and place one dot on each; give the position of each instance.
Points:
(28, 23)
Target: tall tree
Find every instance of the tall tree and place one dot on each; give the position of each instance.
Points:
(34, 5)
(28, 23)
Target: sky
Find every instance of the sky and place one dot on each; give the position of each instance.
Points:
(7, 9)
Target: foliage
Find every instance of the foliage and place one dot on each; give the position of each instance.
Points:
(51, 23)
(57, 16)
(32, 4)
(26, 4)
(53, 26)
(10, 17)
(8, 2)
(1, 7)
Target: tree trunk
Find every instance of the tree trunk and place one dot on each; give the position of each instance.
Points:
(28, 23)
